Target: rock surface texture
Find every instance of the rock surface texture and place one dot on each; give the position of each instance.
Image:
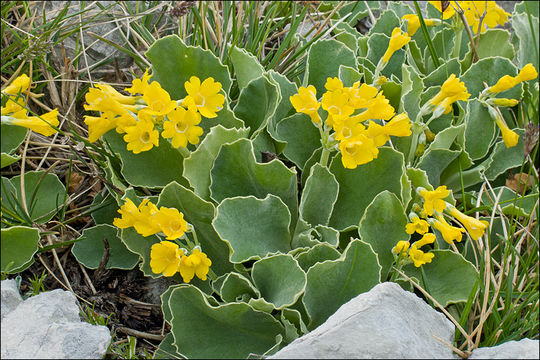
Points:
(523, 349)
(10, 297)
(48, 326)
(386, 322)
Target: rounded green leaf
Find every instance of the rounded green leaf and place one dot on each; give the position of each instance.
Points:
(18, 245)
(434, 161)
(494, 42)
(233, 330)
(198, 165)
(252, 227)
(441, 74)
(280, 279)
(382, 226)
(236, 286)
(479, 131)
(490, 70)
(302, 138)
(449, 277)
(332, 283)
(105, 209)
(377, 45)
(503, 158)
(358, 187)
(7, 160)
(141, 246)
(246, 66)
(173, 63)
(317, 254)
(319, 196)
(527, 34)
(12, 137)
(286, 90)
(386, 22)
(43, 191)
(89, 250)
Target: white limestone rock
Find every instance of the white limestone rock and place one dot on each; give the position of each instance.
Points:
(48, 326)
(385, 322)
(523, 349)
(10, 297)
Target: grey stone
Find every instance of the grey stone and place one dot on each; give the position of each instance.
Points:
(386, 322)
(10, 297)
(523, 349)
(48, 326)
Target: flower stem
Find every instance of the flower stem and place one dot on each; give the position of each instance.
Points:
(324, 156)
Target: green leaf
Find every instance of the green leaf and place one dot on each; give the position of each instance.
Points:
(89, 250)
(43, 195)
(319, 196)
(166, 349)
(358, 187)
(8, 159)
(323, 61)
(347, 35)
(106, 208)
(503, 159)
(435, 161)
(442, 73)
(235, 329)
(392, 91)
(280, 279)
(494, 42)
(385, 23)
(286, 90)
(445, 138)
(382, 226)
(154, 168)
(12, 137)
(527, 7)
(317, 254)
(510, 202)
(252, 227)
(18, 244)
(265, 94)
(236, 173)
(348, 75)
(246, 66)
(377, 45)
(225, 117)
(415, 57)
(200, 214)
(302, 138)
(478, 122)
(236, 286)
(332, 283)
(141, 246)
(173, 63)
(490, 70)
(412, 87)
(527, 51)
(449, 277)
(198, 165)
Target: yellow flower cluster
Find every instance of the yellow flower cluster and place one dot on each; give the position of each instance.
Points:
(15, 110)
(413, 23)
(168, 258)
(140, 117)
(490, 13)
(435, 206)
(451, 91)
(348, 109)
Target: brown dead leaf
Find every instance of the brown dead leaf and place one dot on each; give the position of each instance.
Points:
(75, 181)
(520, 182)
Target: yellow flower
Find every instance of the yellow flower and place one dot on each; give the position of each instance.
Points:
(130, 214)
(433, 200)
(306, 102)
(99, 125)
(17, 86)
(357, 151)
(377, 108)
(377, 133)
(139, 85)
(41, 125)
(158, 100)
(527, 73)
(113, 94)
(503, 102)
(475, 228)
(141, 137)
(510, 138)
(171, 222)
(126, 120)
(333, 84)
(337, 103)
(448, 12)
(428, 238)
(195, 264)
(361, 95)
(449, 233)
(397, 41)
(347, 128)
(506, 82)
(417, 225)
(182, 127)
(99, 100)
(401, 247)
(491, 14)
(381, 80)
(413, 23)
(15, 107)
(145, 223)
(418, 257)
(205, 97)
(451, 91)
(400, 125)
(165, 258)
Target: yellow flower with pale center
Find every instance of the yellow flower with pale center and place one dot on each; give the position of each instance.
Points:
(141, 137)
(337, 103)
(205, 97)
(347, 128)
(510, 138)
(130, 214)
(195, 264)
(165, 258)
(490, 13)
(145, 223)
(401, 247)
(126, 120)
(377, 133)
(449, 233)
(99, 125)
(413, 23)
(171, 222)
(41, 124)
(113, 94)
(433, 200)
(417, 225)
(418, 257)
(357, 150)
(397, 41)
(139, 85)
(527, 73)
(158, 100)
(306, 102)
(17, 86)
(377, 108)
(182, 127)
(475, 228)
(451, 91)
(448, 12)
